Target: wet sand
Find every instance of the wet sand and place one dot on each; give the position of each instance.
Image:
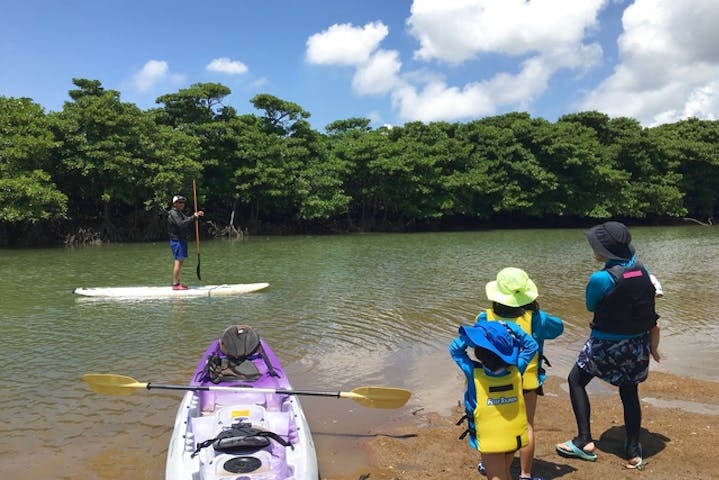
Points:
(680, 434)
(680, 431)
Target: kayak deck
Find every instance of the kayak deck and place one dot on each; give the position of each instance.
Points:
(202, 415)
(167, 291)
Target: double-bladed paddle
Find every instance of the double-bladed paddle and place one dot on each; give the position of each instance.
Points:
(371, 397)
(197, 228)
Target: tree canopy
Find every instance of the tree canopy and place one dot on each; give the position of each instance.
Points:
(106, 165)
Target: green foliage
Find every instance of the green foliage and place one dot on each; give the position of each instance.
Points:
(280, 115)
(104, 161)
(200, 103)
(30, 198)
(27, 192)
(693, 145)
(342, 126)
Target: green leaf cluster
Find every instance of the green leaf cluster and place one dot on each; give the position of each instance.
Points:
(108, 165)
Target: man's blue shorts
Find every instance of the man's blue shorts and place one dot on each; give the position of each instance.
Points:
(179, 249)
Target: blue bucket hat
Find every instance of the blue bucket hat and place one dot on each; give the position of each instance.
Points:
(495, 337)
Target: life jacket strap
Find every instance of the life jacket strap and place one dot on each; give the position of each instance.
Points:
(459, 422)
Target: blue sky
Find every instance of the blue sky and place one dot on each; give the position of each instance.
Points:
(392, 61)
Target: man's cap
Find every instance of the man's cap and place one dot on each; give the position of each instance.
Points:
(178, 198)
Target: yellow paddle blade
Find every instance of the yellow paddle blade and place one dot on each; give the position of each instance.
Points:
(371, 397)
(112, 384)
(378, 397)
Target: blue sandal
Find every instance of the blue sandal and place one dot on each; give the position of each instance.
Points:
(572, 451)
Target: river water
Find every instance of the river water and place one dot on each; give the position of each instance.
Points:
(340, 312)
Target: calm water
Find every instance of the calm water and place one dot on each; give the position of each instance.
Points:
(341, 312)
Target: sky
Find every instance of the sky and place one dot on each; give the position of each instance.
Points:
(392, 61)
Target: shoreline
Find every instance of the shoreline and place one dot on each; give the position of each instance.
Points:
(678, 436)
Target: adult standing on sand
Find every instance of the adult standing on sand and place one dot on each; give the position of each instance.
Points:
(621, 295)
(178, 228)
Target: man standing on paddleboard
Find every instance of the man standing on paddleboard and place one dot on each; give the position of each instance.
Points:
(178, 227)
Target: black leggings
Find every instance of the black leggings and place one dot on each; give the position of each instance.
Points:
(578, 380)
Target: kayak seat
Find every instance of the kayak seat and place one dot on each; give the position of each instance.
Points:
(239, 342)
(238, 346)
(229, 369)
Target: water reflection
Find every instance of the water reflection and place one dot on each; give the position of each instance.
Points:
(340, 312)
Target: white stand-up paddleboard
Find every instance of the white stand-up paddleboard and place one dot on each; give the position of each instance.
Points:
(167, 292)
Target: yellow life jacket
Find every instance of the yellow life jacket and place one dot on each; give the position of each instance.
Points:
(530, 379)
(500, 418)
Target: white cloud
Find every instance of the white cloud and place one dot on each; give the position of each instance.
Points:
(454, 31)
(259, 82)
(703, 102)
(345, 44)
(438, 101)
(152, 74)
(379, 74)
(669, 63)
(374, 116)
(544, 35)
(524, 87)
(226, 65)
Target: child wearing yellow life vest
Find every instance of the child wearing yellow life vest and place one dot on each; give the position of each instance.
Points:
(514, 299)
(494, 401)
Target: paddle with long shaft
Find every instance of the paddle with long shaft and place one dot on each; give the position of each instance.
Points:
(197, 228)
(371, 397)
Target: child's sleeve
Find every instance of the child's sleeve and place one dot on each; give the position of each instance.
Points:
(527, 346)
(549, 326)
(458, 351)
(480, 317)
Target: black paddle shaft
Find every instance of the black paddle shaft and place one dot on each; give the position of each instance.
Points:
(201, 388)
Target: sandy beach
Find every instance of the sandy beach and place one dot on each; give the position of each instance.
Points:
(680, 431)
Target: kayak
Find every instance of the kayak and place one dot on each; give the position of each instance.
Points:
(248, 435)
(140, 293)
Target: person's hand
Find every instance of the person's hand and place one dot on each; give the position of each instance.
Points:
(199, 213)
(656, 356)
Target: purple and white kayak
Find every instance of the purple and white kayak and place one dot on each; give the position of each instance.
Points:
(204, 415)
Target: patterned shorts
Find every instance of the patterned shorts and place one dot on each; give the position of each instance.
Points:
(619, 362)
